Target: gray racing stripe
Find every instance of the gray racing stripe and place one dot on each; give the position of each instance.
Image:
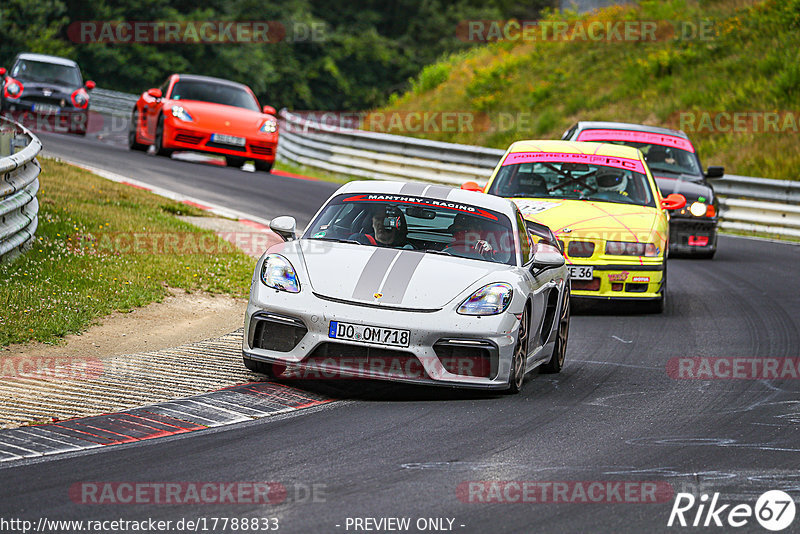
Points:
(412, 189)
(373, 273)
(400, 276)
(439, 192)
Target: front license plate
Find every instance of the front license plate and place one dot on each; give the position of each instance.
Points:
(228, 139)
(581, 272)
(369, 334)
(46, 109)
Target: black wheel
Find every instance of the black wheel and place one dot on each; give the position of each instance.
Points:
(270, 370)
(556, 362)
(133, 144)
(160, 150)
(233, 161)
(705, 255)
(658, 305)
(265, 166)
(517, 375)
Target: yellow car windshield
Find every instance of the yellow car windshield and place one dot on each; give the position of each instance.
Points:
(569, 180)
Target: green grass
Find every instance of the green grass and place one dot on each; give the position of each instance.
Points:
(319, 174)
(81, 266)
(747, 61)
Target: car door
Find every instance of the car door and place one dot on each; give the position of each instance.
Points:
(539, 286)
(152, 108)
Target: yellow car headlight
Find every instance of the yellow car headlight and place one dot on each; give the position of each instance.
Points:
(625, 248)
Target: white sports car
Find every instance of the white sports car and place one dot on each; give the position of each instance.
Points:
(413, 283)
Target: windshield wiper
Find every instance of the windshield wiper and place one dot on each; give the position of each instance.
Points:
(663, 169)
(434, 251)
(337, 240)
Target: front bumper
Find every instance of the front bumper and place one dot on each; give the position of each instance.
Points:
(692, 236)
(444, 349)
(66, 119)
(622, 282)
(182, 136)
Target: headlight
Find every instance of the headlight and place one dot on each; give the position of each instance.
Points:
(698, 209)
(80, 99)
(182, 114)
(269, 126)
(623, 248)
(13, 89)
(278, 273)
(488, 300)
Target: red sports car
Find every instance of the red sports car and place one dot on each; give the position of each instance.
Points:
(204, 114)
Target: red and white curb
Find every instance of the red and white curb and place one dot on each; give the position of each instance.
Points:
(227, 406)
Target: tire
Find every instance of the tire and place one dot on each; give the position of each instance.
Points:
(262, 165)
(233, 161)
(133, 143)
(159, 142)
(706, 255)
(517, 374)
(270, 370)
(660, 304)
(556, 362)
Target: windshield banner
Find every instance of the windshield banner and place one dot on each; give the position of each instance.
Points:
(636, 137)
(589, 159)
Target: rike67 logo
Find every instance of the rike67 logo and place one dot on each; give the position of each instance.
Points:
(774, 510)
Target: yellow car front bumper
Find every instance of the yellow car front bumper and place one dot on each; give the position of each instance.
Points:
(621, 282)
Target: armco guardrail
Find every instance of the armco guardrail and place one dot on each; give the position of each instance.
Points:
(381, 156)
(112, 102)
(746, 204)
(19, 171)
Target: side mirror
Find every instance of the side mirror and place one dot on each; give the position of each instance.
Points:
(546, 257)
(471, 186)
(675, 201)
(90, 85)
(284, 226)
(155, 93)
(2, 71)
(269, 110)
(715, 172)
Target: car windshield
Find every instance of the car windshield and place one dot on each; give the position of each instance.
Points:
(417, 223)
(26, 70)
(668, 159)
(544, 175)
(215, 93)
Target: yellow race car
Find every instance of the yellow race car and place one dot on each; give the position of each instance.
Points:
(603, 205)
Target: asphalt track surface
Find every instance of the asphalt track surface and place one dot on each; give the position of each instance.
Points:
(385, 450)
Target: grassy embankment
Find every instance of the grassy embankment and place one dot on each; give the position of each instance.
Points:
(86, 262)
(746, 60)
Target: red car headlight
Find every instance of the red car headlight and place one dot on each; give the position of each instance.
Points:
(13, 88)
(80, 99)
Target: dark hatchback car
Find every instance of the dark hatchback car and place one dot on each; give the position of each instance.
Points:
(676, 168)
(46, 93)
